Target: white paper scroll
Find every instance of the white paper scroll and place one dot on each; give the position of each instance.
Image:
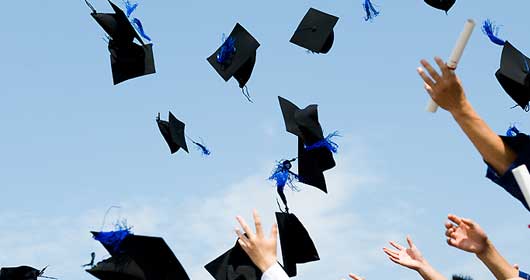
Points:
(523, 180)
(452, 63)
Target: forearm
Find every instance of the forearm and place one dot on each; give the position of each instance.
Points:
(428, 272)
(486, 141)
(497, 264)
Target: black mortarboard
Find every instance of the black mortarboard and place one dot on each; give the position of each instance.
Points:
(297, 246)
(234, 264)
(315, 32)
(173, 132)
(444, 5)
(236, 57)
(151, 254)
(128, 59)
(304, 124)
(461, 277)
(514, 75)
(22, 273)
(117, 268)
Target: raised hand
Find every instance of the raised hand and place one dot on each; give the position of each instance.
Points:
(446, 89)
(260, 249)
(408, 257)
(466, 235)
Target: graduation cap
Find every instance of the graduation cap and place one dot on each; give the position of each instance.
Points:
(315, 32)
(236, 57)
(136, 257)
(22, 273)
(444, 5)
(234, 264)
(173, 132)
(297, 246)
(315, 152)
(461, 277)
(514, 71)
(128, 59)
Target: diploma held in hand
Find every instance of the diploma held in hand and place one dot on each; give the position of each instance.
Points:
(456, 55)
(523, 180)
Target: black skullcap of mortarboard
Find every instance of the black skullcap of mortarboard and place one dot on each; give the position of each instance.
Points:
(444, 5)
(297, 246)
(312, 164)
(514, 75)
(234, 264)
(128, 59)
(315, 31)
(236, 57)
(173, 133)
(19, 273)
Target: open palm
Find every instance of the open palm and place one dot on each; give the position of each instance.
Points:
(409, 257)
(465, 234)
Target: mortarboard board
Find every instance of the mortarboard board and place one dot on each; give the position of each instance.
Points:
(22, 273)
(315, 31)
(314, 151)
(297, 246)
(234, 264)
(461, 277)
(444, 5)
(173, 132)
(128, 59)
(514, 71)
(236, 57)
(514, 75)
(150, 254)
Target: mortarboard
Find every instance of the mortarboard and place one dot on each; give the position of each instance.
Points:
(461, 277)
(236, 57)
(315, 32)
(514, 71)
(22, 273)
(234, 264)
(297, 246)
(173, 132)
(314, 150)
(128, 59)
(136, 257)
(444, 5)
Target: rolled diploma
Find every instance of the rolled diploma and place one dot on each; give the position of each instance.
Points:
(523, 180)
(456, 55)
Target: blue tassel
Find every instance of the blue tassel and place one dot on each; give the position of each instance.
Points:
(130, 7)
(370, 10)
(326, 143)
(283, 176)
(113, 239)
(512, 131)
(138, 25)
(201, 147)
(228, 49)
(490, 29)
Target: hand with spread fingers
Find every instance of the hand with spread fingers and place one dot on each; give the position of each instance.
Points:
(412, 258)
(466, 235)
(445, 89)
(260, 249)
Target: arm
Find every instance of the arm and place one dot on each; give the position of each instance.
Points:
(447, 91)
(260, 249)
(412, 258)
(467, 235)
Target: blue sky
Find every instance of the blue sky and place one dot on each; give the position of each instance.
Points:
(73, 144)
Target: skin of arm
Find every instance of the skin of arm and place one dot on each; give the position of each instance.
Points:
(447, 91)
(468, 236)
(412, 258)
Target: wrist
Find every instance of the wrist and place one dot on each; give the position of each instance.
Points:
(487, 250)
(265, 264)
(463, 110)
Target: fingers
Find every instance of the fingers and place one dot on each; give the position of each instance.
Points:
(446, 71)
(245, 227)
(257, 223)
(355, 277)
(454, 219)
(451, 242)
(274, 232)
(425, 78)
(396, 245)
(516, 266)
(431, 70)
(469, 223)
(409, 241)
(243, 240)
(391, 253)
(448, 225)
